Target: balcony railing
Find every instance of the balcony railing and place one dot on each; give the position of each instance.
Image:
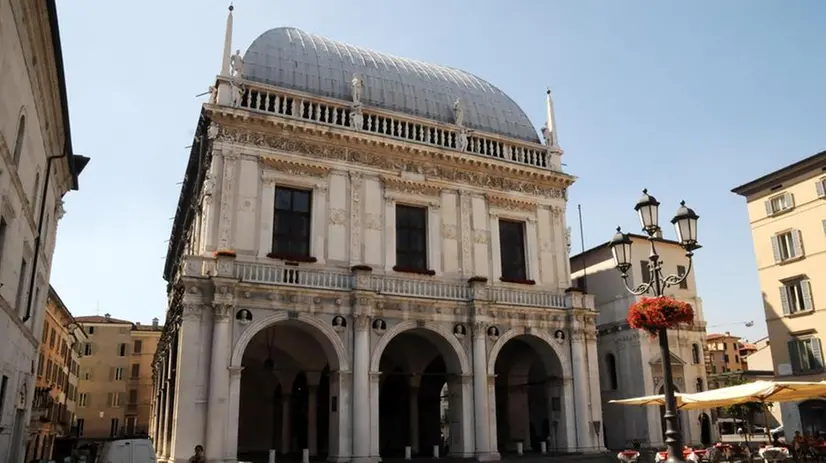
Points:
(427, 288)
(284, 103)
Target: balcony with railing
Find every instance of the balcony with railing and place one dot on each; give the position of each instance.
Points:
(269, 100)
(276, 274)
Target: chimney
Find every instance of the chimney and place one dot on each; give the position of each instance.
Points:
(106, 316)
(138, 323)
(155, 322)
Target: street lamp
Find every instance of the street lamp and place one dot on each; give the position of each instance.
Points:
(685, 224)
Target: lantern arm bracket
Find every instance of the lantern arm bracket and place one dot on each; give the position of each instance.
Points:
(638, 290)
(673, 279)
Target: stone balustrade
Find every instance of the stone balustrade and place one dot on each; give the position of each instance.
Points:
(285, 103)
(278, 274)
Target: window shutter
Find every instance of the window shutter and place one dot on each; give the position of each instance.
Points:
(788, 201)
(111, 373)
(794, 355)
(797, 243)
(769, 210)
(776, 248)
(821, 188)
(784, 300)
(806, 288)
(111, 399)
(824, 225)
(817, 353)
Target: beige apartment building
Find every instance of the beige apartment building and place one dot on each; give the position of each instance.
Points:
(115, 392)
(787, 215)
(723, 362)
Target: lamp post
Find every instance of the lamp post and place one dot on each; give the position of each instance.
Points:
(685, 224)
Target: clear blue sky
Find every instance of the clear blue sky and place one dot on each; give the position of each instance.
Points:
(688, 99)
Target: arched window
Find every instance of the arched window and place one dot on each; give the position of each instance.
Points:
(699, 384)
(611, 366)
(695, 353)
(18, 142)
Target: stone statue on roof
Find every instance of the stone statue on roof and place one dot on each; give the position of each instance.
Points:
(458, 112)
(236, 62)
(357, 85)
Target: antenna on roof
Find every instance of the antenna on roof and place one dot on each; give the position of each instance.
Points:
(97, 307)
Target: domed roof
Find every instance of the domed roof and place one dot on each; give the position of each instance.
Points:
(291, 58)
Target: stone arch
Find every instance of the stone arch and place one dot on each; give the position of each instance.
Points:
(541, 335)
(330, 339)
(456, 346)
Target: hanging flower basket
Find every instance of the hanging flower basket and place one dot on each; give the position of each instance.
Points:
(653, 313)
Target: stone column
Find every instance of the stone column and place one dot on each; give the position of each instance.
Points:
(218, 384)
(166, 417)
(185, 436)
(376, 381)
(285, 422)
(312, 419)
(231, 444)
(594, 389)
(415, 381)
(567, 425)
(579, 364)
(480, 391)
(361, 388)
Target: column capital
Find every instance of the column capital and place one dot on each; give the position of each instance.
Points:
(361, 322)
(375, 376)
(221, 311)
(235, 370)
(192, 312)
(479, 330)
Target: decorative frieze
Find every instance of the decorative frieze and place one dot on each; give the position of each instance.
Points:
(291, 167)
(449, 231)
(510, 204)
(431, 170)
(356, 184)
(227, 201)
(465, 206)
(410, 187)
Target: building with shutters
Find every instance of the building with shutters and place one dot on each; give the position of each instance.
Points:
(115, 390)
(787, 215)
(360, 238)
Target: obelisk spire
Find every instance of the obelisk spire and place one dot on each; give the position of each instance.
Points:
(551, 138)
(227, 44)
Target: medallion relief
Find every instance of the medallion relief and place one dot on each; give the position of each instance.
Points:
(337, 216)
(449, 231)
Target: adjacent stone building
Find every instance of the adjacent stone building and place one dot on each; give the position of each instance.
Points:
(630, 363)
(359, 236)
(37, 167)
(115, 392)
(787, 217)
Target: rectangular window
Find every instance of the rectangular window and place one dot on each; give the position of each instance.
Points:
(114, 428)
(291, 223)
(138, 347)
(512, 250)
(48, 369)
(681, 272)
(136, 370)
(114, 399)
(2, 237)
(4, 385)
(806, 355)
(645, 271)
(796, 296)
(46, 327)
(411, 238)
(87, 349)
(821, 188)
(133, 397)
(52, 336)
(787, 245)
(90, 329)
(20, 300)
(117, 373)
(79, 425)
(83, 400)
(779, 203)
(122, 349)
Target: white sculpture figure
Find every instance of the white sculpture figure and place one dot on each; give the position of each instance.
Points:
(461, 139)
(357, 85)
(237, 93)
(356, 118)
(546, 134)
(213, 94)
(458, 112)
(237, 64)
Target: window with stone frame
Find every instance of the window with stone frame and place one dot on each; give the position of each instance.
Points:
(512, 251)
(680, 272)
(805, 355)
(291, 224)
(796, 296)
(136, 370)
(821, 187)
(411, 238)
(787, 245)
(645, 271)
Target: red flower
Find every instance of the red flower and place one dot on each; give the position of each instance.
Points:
(652, 313)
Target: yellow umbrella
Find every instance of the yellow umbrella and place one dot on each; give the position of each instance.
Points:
(650, 400)
(758, 391)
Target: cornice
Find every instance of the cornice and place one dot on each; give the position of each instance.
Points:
(287, 166)
(410, 186)
(496, 201)
(384, 153)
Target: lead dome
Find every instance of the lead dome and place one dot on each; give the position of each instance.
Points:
(291, 58)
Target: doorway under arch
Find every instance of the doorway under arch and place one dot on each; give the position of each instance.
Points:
(286, 390)
(421, 396)
(529, 396)
(812, 416)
